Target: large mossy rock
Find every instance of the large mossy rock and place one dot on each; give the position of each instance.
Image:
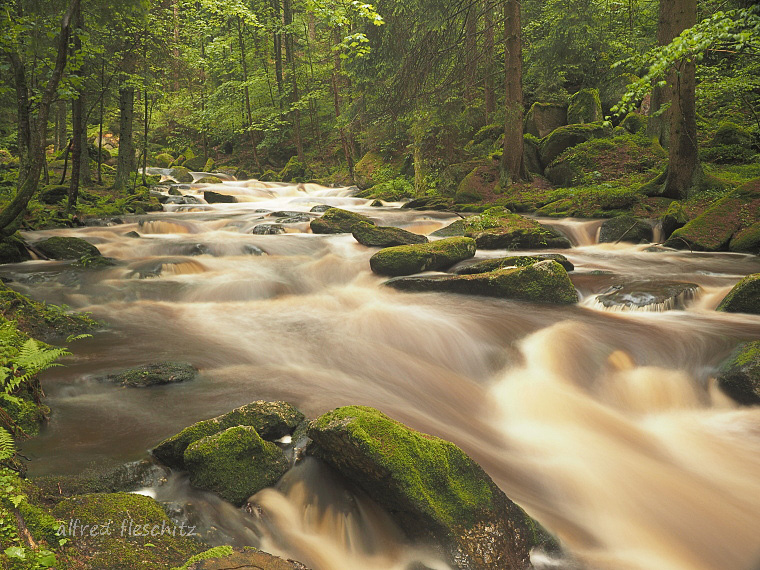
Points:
(154, 374)
(675, 218)
(478, 185)
(433, 256)
(294, 171)
(60, 247)
(540, 282)
(532, 154)
(210, 180)
(626, 229)
(567, 137)
(181, 175)
(500, 229)
(651, 296)
(585, 107)
(382, 236)
(218, 198)
(13, 250)
(513, 261)
(731, 144)
(163, 160)
(744, 297)
(730, 218)
(53, 194)
(373, 169)
(746, 240)
(337, 221)
(235, 463)
(739, 375)
(122, 539)
(429, 486)
(543, 118)
(227, 558)
(453, 175)
(272, 420)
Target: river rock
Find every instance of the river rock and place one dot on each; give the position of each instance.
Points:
(433, 256)
(454, 229)
(625, 228)
(268, 229)
(181, 175)
(272, 421)
(429, 486)
(13, 250)
(384, 236)
(744, 297)
(60, 247)
(739, 375)
(542, 282)
(500, 229)
(234, 463)
(653, 296)
(320, 208)
(154, 374)
(543, 118)
(225, 558)
(429, 203)
(53, 194)
(338, 221)
(297, 219)
(514, 261)
(217, 198)
(209, 180)
(675, 218)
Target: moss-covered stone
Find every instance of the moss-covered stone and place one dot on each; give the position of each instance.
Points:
(139, 537)
(428, 485)
(542, 118)
(60, 247)
(53, 194)
(532, 154)
(272, 420)
(500, 229)
(613, 88)
(454, 229)
(372, 169)
(433, 256)
(567, 137)
(154, 374)
(13, 250)
(209, 180)
(438, 203)
(513, 261)
(227, 558)
(27, 415)
(212, 197)
(374, 236)
(452, 176)
(544, 281)
(635, 123)
(585, 107)
(163, 160)
(625, 228)
(234, 463)
(293, 171)
(478, 185)
(268, 176)
(338, 221)
(714, 229)
(195, 164)
(181, 175)
(746, 240)
(739, 375)
(564, 173)
(744, 297)
(673, 219)
(209, 166)
(732, 144)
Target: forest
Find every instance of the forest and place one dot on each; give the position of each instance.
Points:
(235, 234)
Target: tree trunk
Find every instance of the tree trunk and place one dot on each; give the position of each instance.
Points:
(512, 165)
(488, 58)
(175, 48)
(291, 61)
(336, 103)
(61, 114)
(278, 52)
(243, 59)
(658, 125)
(684, 170)
(125, 164)
(471, 48)
(100, 119)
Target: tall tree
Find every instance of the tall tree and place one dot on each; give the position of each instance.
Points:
(512, 164)
(125, 164)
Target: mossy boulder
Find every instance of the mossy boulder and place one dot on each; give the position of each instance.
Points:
(564, 173)
(60, 247)
(373, 169)
(132, 533)
(429, 486)
(209, 166)
(181, 175)
(714, 229)
(272, 420)
(567, 137)
(613, 88)
(652, 296)
(227, 558)
(234, 463)
(53, 194)
(268, 176)
(209, 180)
(543, 118)
(294, 171)
(163, 160)
(28, 416)
(433, 256)
(13, 250)
(532, 154)
(673, 219)
(739, 375)
(218, 198)
(438, 203)
(513, 261)
(585, 107)
(338, 221)
(746, 240)
(731, 144)
(744, 297)
(454, 229)
(478, 184)
(635, 123)
(497, 228)
(452, 176)
(154, 374)
(540, 282)
(625, 228)
(381, 236)
(195, 164)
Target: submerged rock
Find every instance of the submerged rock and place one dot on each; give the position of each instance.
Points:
(739, 375)
(60, 247)
(320, 208)
(744, 297)
(653, 296)
(433, 256)
(234, 463)
(625, 228)
(374, 236)
(272, 421)
(217, 198)
(514, 261)
(154, 374)
(268, 229)
(338, 221)
(429, 486)
(540, 282)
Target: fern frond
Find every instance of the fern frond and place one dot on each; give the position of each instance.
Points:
(7, 445)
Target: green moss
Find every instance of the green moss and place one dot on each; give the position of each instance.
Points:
(635, 123)
(739, 375)
(59, 247)
(216, 552)
(53, 194)
(585, 107)
(373, 169)
(513, 261)
(408, 259)
(268, 176)
(209, 166)
(478, 185)
(746, 240)
(235, 463)
(744, 297)
(181, 174)
(154, 374)
(497, 228)
(209, 180)
(569, 136)
(374, 236)
(542, 118)
(27, 415)
(338, 221)
(13, 250)
(391, 191)
(163, 160)
(294, 171)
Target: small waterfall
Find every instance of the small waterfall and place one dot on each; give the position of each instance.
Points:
(168, 227)
(580, 232)
(651, 297)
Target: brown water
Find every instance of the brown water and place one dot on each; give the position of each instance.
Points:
(605, 426)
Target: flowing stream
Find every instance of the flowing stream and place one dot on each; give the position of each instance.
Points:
(604, 425)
